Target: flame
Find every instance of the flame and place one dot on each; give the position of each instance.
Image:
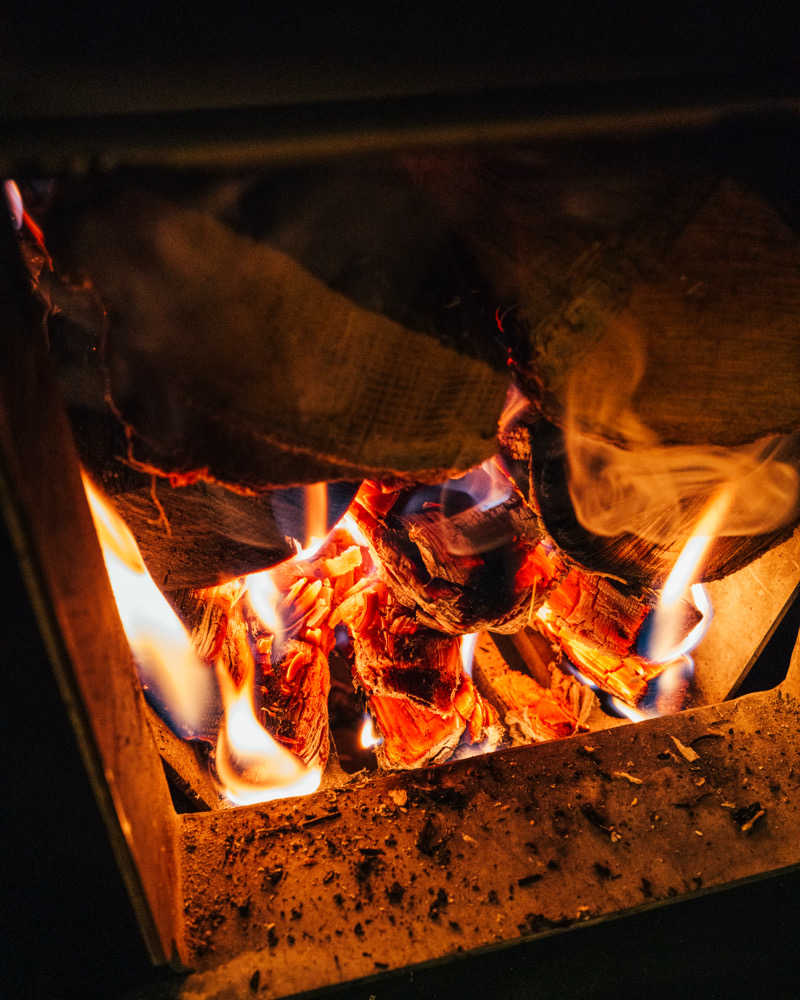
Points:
(368, 737)
(515, 405)
(664, 642)
(168, 666)
(14, 202)
(251, 765)
(262, 592)
(355, 532)
(467, 650)
(628, 711)
(623, 479)
(488, 484)
(316, 497)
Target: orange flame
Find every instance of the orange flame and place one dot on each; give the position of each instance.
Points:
(665, 642)
(168, 665)
(251, 765)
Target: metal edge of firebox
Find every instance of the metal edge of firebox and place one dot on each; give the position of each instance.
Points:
(276, 135)
(49, 525)
(715, 836)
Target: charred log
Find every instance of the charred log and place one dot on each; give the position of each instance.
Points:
(459, 572)
(642, 564)
(532, 712)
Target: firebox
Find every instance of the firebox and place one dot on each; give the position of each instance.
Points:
(520, 520)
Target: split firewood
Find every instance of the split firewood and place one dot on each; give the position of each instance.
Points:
(531, 711)
(678, 331)
(459, 573)
(186, 766)
(535, 452)
(421, 701)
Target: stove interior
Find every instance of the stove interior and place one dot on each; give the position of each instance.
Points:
(412, 458)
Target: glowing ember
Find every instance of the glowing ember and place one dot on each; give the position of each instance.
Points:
(368, 737)
(170, 671)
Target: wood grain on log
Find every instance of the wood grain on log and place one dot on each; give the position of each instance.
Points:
(532, 712)
(433, 564)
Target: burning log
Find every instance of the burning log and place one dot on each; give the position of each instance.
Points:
(421, 701)
(532, 712)
(647, 398)
(186, 766)
(536, 453)
(459, 572)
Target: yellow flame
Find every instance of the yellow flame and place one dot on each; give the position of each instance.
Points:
(355, 532)
(167, 663)
(316, 497)
(634, 714)
(263, 595)
(467, 650)
(665, 642)
(368, 737)
(251, 765)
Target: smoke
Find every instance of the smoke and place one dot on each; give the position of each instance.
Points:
(623, 480)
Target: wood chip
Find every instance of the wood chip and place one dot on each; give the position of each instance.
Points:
(399, 796)
(686, 752)
(628, 777)
(748, 826)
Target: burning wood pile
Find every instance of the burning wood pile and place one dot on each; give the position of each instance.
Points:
(227, 380)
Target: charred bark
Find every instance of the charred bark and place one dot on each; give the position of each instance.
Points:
(459, 572)
(536, 452)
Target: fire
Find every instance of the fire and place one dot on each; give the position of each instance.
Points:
(664, 640)
(467, 650)
(368, 737)
(263, 595)
(251, 765)
(168, 666)
(316, 497)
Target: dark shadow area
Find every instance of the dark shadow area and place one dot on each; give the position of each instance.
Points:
(771, 666)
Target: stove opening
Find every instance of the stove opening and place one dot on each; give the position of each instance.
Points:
(417, 479)
(438, 607)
